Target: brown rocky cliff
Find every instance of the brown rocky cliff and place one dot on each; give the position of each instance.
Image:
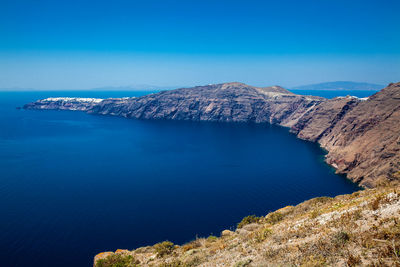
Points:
(365, 143)
(361, 136)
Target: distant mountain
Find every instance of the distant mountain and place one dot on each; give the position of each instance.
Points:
(340, 85)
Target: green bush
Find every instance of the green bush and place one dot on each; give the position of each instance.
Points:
(261, 235)
(118, 260)
(340, 238)
(212, 238)
(274, 217)
(248, 219)
(164, 248)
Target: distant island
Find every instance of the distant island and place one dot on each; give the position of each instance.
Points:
(341, 85)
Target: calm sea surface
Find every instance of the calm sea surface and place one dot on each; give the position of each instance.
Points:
(73, 185)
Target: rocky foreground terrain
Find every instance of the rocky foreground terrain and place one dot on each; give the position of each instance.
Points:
(360, 135)
(361, 229)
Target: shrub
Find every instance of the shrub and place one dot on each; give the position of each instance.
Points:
(353, 260)
(164, 248)
(192, 245)
(174, 263)
(212, 238)
(248, 219)
(243, 263)
(274, 217)
(357, 215)
(315, 213)
(340, 238)
(374, 205)
(314, 261)
(118, 260)
(260, 236)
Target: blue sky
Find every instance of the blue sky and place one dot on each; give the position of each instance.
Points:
(85, 44)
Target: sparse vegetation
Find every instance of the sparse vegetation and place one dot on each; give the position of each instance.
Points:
(261, 235)
(192, 245)
(353, 260)
(360, 229)
(164, 248)
(212, 238)
(118, 260)
(247, 220)
(340, 238)
(375, 203)
(315, 213)
(243, 263)
(274, 217)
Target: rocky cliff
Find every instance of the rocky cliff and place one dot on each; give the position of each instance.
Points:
(360, 135)
(365, 142)
(229, 102)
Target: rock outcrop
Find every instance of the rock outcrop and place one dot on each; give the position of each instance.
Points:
(365, 143)
(360, 135)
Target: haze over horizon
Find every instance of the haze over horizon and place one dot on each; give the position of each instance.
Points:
(88, 44)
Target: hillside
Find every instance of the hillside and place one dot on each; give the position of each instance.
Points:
(349, 230)
(228, 102)
(363, 139)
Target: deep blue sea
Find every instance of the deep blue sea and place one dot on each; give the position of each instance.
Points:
(73, 185)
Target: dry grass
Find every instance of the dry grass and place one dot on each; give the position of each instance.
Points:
(362, 228)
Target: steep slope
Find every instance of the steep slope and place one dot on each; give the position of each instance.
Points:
(321, 119)
(228, 102)
(363, 139)
(361, 229)
(365, 144)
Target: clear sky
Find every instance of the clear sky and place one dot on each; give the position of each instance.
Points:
(68, 44)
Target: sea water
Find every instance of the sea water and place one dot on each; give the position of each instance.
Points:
(73, 184)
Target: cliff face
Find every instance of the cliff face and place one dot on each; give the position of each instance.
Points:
(361, 136)
(365, 143)
(229, 102)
